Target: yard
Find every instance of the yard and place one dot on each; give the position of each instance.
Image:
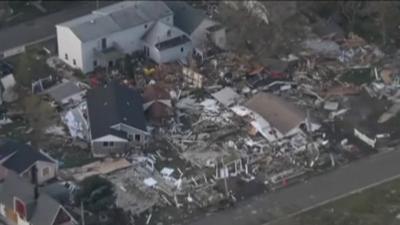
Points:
(30, 66)
(376, 206)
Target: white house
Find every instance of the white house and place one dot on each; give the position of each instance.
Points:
(107, 34)
(195, 23)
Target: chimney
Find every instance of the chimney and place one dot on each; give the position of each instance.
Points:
(34, 181)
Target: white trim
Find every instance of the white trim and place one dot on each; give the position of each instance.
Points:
(109, 137)
(60, 207)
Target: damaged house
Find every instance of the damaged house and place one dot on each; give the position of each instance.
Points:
(107, 34)
(157, 103)
(116, 119)
(284, 117)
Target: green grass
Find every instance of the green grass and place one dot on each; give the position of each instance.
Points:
(375, 206)
(358, 76)
(29, 66)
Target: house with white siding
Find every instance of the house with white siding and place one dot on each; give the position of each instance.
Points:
(107, 34)
(116, 119)
(197, 25)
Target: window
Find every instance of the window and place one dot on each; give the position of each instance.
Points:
(137, 137)
(108, 144)
(66, 56)
(95, 63)
(130, 136)
(74, 62)
(182, 49)
(46, 171)
(145, 26)
(169, 33)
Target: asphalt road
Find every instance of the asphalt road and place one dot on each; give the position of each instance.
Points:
(42, 27)
(318, 190)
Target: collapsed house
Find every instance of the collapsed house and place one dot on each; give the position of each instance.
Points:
(284, 118)
(76, 121)
(116, 119)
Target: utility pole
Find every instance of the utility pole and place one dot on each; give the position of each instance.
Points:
(82, 214)
(225, 177)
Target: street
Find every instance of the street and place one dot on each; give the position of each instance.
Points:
(318, 190)
(41, 28)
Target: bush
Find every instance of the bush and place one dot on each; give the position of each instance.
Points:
(97, 194)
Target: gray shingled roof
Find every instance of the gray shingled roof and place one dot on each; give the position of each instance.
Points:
(115, 18)
(40, 212)
(113, 105)
(94, 26)
(186, 17)
(23, 156)
(282, 114)
(158, 33)
(63, 90)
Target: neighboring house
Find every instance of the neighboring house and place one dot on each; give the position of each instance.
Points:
(20, 158)
(283, 116)
(197, 25)
(7, 83)
(65, 93)
(22, 203)
(107, 34)
(165, 43)
(157, 103)
(116, 118)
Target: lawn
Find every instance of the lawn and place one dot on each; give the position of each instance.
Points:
(376, 206)
(358, 76)
(30, 66)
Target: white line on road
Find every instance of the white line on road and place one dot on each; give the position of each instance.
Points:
(336, 198)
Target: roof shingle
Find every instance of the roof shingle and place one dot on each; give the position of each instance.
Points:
(111, 105)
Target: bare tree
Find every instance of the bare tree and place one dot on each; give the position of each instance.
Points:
(383, 10)
(350, 9)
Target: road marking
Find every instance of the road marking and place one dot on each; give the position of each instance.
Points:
(358, 190)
